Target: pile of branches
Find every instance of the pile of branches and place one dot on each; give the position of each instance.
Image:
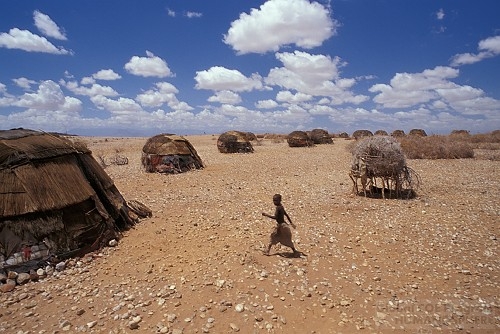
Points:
(382, 157)
(114, 160)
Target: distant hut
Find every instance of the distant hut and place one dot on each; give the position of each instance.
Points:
(398, 133)
(358, 134)
(55, 197)
(251, 136)
(169, 153)
(299, 139)
(320, 136)
(344, 135)
(464, 133)
(381, 133)
(234, 142)
(418, 132)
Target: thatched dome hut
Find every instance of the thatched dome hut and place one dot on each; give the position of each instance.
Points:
(235, 142)
(344, 135)
(55, 197)
(169, 153)
(398, 133)
(381, 133)
(299, 139)
(358, 134)
(418, 132)
(320, 136)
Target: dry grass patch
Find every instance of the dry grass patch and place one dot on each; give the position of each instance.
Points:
(458, 145)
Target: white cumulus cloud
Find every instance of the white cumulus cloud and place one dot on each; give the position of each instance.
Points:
(288, 97)
(225, 97)
(121, 106)
(48, 97)
(488, 48)
(27, 41)
(106, 75)
(281, 22)
(149, 66)
(219, 78)
(93, 90)
(48, 27)
(24, 83)
(266, 104)
(315, 75)
(163, 92)
(440, 14)
(434, 88)
(409, 89)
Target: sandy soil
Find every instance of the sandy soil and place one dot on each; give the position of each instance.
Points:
(424, 265)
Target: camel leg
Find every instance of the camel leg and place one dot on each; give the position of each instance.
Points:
(354, 183)
(364, 181)
(383, 188)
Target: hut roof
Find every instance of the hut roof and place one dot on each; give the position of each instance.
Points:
(235, 142)
(358, 134)
(168, 144)
(234, 136)
(36, 169)
(20, 146)
(299, 139)
(321, 136)
(52, 187)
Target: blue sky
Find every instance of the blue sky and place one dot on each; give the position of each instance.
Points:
(139, 68)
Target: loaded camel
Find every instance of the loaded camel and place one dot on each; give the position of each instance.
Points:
(381, 157)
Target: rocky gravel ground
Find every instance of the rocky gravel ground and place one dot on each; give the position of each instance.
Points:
(424, 265)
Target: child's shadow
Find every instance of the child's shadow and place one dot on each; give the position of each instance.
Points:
(291, 255)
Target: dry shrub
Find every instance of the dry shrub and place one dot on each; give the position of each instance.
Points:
(275, 136)
(258, 142)
(277, 140)
(435, 147)
(492, 137)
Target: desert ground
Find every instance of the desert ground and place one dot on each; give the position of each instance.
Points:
(424, 265)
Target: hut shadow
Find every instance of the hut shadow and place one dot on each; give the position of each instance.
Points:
(376, 192)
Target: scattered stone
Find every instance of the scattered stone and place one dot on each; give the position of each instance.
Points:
(22, 278)
(234, 327)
